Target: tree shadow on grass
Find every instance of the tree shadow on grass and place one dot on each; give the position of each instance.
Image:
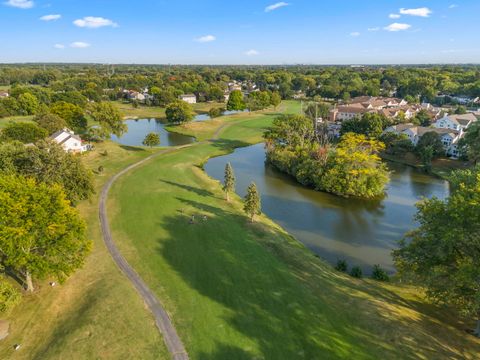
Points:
(198, 191)
(286, 301)
(229, 145)
(131, 148)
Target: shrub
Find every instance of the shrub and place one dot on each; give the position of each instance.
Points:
(379, 274)
(356, 272)
(215, 112)
(341, 266)
(9, 297)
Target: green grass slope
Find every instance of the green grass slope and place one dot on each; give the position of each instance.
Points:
(96, 313)
(237, 290)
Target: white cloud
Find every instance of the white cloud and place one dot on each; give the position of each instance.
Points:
(373, 29)
(276, 6)
(422, 12)
(79, 45)
(22, 4)
(355, 34)
(251, 52)
(397, 27)
(453, 6)
(93, 22)
(394, 16)
(206, 39)
(50, 17)
(59, 46)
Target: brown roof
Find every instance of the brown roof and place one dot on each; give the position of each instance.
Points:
(352, 109)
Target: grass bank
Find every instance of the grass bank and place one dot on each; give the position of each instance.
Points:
(157, 112)
(96, 314)
(237, 290)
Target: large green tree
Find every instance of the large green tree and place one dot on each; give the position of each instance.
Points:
(24, 132)
(355, 169)
(41, 234)
(109, 119)
(470, 144)
(179, 112)
(47, 162)
(71, 113)
(443, 253)
(430, 142)
(236, 101)
(28, 103)
(50, 122)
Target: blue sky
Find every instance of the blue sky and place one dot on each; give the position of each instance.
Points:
(240, 32)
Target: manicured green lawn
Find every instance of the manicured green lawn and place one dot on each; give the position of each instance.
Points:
(155, 111)
(237, 290)
(95, 314)
(5, 121)
(206, 129)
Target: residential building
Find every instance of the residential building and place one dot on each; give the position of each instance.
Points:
(189, 98)
(69, 141)
(4, 94)
(456, 122)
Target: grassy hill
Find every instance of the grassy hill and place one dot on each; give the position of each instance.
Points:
(234, 290)
(238, 290)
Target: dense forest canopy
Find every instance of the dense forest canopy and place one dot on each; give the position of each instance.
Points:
(420, 82)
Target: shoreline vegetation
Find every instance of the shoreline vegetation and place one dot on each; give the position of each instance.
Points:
(349, 168)
(184, 263)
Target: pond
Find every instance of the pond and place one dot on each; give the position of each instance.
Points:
(138, 129)
(360, 231)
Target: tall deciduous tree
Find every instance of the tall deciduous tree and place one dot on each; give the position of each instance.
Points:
(24, 132)
(71, 113)
(110, 120)
(47, 162)
(50, 122)
(275, 99)
(235, 101)
(471, 142)
(152, 139)
(443, 253)
(41, 234)
(229, 181)
(179, 112)
(252, 202)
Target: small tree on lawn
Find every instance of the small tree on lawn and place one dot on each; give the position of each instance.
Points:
(252, 203)
(229, 181)
(41, 234)
(152, 139)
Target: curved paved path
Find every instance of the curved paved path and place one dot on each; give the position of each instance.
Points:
(162, 320)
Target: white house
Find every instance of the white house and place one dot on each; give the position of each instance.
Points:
(4, 94)
(456, 122)
(449, 137)
(69, 141)
(189, 98)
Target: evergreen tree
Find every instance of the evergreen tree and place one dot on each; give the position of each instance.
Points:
(252, 204)
(229, 182)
